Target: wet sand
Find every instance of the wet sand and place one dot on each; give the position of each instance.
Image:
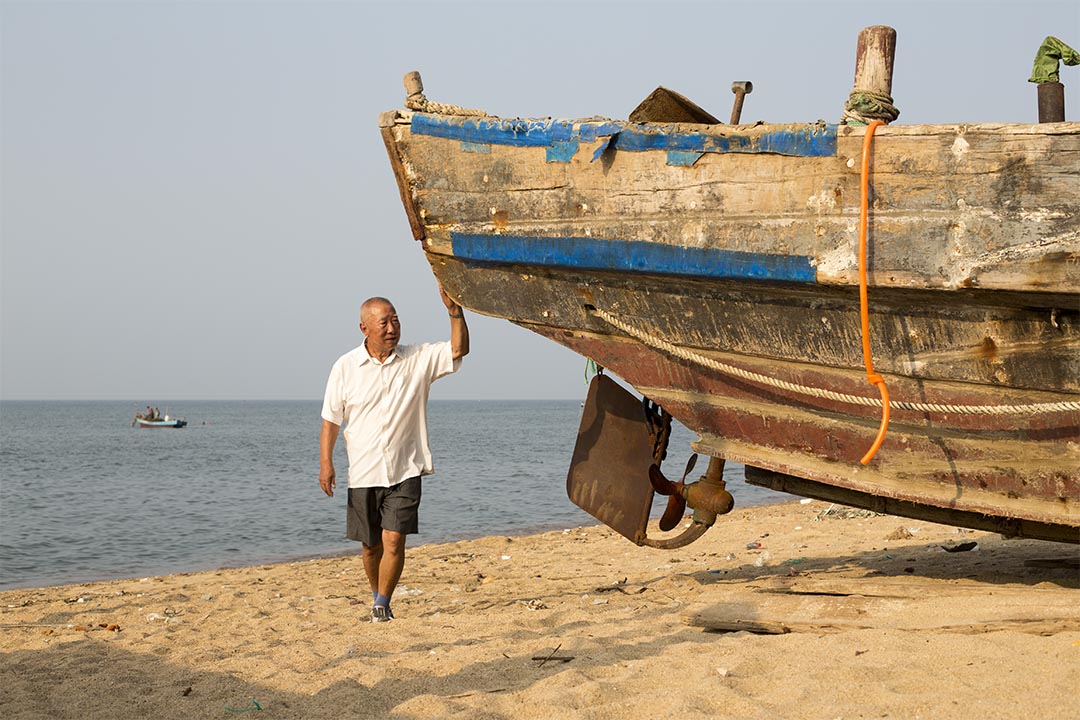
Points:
(800, 610)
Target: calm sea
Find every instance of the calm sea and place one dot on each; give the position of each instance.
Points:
(84, 496)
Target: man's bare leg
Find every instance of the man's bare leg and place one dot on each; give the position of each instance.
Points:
(372, 559)
(392, 561)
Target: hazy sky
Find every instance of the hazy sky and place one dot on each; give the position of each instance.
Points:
(195, 198)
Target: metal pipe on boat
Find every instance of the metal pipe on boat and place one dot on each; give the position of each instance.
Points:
(1051, 102)
(741, 89)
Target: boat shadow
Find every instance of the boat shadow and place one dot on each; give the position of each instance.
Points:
(975, 558)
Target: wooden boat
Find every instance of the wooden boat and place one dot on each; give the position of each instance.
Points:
(720, 270)
(164, 422)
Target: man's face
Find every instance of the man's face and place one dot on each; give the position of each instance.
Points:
(381, 328)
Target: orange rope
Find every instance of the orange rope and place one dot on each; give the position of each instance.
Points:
(864, 312)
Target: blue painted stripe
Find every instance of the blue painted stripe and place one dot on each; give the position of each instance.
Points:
(809, 141)
(816, 140)
(520, 133)
(630, 256)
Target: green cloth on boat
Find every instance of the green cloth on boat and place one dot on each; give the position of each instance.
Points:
(1046, 60)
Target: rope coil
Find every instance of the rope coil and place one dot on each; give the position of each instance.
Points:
(863, 106)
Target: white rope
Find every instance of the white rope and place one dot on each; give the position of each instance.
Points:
(708, 362)
(420, 103)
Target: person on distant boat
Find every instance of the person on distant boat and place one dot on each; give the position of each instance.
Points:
(379, 391)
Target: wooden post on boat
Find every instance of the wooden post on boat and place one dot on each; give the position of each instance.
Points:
(874, 58)
(871, 96)
(414, 86)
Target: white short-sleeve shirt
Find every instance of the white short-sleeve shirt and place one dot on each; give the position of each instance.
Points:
(383, 407)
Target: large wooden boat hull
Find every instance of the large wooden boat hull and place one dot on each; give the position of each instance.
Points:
(695, 260)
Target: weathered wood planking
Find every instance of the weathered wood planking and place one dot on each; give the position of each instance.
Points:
(966, 336)
(953, 206)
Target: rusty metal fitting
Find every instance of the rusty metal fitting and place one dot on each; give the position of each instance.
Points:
(709, 496)
(741, 89)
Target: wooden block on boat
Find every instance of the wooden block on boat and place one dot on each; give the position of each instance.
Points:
(667, 106)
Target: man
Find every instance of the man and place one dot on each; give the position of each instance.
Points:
(380, 391)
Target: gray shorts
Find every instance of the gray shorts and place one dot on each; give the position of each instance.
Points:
(371, 510)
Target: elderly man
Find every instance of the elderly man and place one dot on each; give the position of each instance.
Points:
(379, 391)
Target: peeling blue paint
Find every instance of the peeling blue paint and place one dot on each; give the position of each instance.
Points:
(591, 131)
(816, 140)
(683, 158)
(467, 146)
(600, 150)
(636, 256)
(562, 151)
(494, 131)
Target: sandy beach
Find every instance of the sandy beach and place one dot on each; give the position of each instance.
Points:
(800, 610)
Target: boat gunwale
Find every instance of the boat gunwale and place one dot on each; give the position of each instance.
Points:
(1068, 127)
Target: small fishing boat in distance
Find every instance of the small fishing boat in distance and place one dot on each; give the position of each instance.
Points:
(153, 418)
(165, 422)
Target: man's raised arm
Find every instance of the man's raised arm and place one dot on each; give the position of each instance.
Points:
(459, 331)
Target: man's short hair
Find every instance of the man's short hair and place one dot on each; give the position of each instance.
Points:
(376, 300)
